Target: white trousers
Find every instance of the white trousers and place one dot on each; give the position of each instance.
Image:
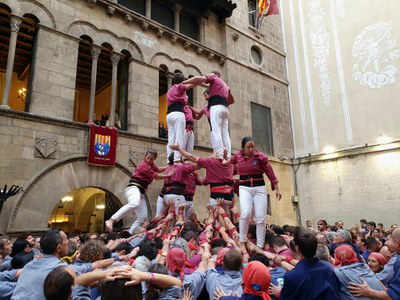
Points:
(160, 206)
(136, 203)
(219, 119)
(178, 200)
(176, 130)
(253, 199)
(188, 141)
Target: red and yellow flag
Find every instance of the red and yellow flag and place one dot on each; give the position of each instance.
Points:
(268, 7)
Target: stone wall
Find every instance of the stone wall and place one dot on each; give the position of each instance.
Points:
(351, 188)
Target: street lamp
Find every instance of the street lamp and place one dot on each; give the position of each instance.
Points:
(5, 194)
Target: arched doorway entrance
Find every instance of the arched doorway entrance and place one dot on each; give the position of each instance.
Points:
(36, 204)
(84, 210)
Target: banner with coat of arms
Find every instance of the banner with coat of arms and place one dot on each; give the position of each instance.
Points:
(102, 146)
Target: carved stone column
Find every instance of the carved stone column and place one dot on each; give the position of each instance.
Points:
(169, 76)
(95, 51)
(115, 58)
(14, 26)
(177, 10)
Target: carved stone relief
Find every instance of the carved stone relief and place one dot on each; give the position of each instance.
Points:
(46, 147)
(319, 36)
(373, 50)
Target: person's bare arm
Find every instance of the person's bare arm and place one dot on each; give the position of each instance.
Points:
(188, 155)
(163, 176)
(364, 290)
(196, 80)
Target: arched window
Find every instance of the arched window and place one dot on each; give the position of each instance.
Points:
(162, 100)
(15, 92)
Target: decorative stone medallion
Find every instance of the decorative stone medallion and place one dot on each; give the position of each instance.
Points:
(46, 147)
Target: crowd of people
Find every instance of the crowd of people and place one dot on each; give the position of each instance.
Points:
(178, 258)
(232, 254)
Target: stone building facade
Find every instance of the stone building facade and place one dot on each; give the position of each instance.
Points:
(343, 60)
(66, 62)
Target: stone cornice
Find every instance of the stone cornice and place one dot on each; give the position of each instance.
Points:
(82, 126)
(159, 30)
(65, 35)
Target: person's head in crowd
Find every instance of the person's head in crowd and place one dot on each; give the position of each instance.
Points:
(339, 224)
(376, 233)
(269, 236)
(111, 290)
(112, 236)
(148, 248)
(218, 243)
(5, 246)
(159, 242)
(371, 225)
(357, 227)
(289, 230)
(380, 227)
(19, 260)
(360, 243)
(220, 256)
(345, 255)
(363, 223)
(323, 253)
(71, 254)
(321, 238)
(342, 236)
(123, 248)
(277, 229)
(330, 237)
(153, 291)
(232, 260)
(59, 283)
(376, 262)
(182, 244)
(176, 259)
(142, 263)
(322, 225)
(190, 236)
(54, 242)
(305, 243)
(261, 258)
(91, 251)
(393, 242)
(332, 228)
(308, 224)
(386, 253)
(277, 244)
(28, 237)
(20, 246)
(124, 234)
(353, 232)
(371, 244)
(94, 236)
(37, 244)
(74, 238)
(256, 280)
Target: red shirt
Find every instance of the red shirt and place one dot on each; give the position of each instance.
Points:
(216, 172)
(256, 164)
(217, 86)
(188, 114)
(191, 183)
(177, 93)
(145, 172)
(182, 173)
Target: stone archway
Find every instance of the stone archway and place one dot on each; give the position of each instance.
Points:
(37, 202)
